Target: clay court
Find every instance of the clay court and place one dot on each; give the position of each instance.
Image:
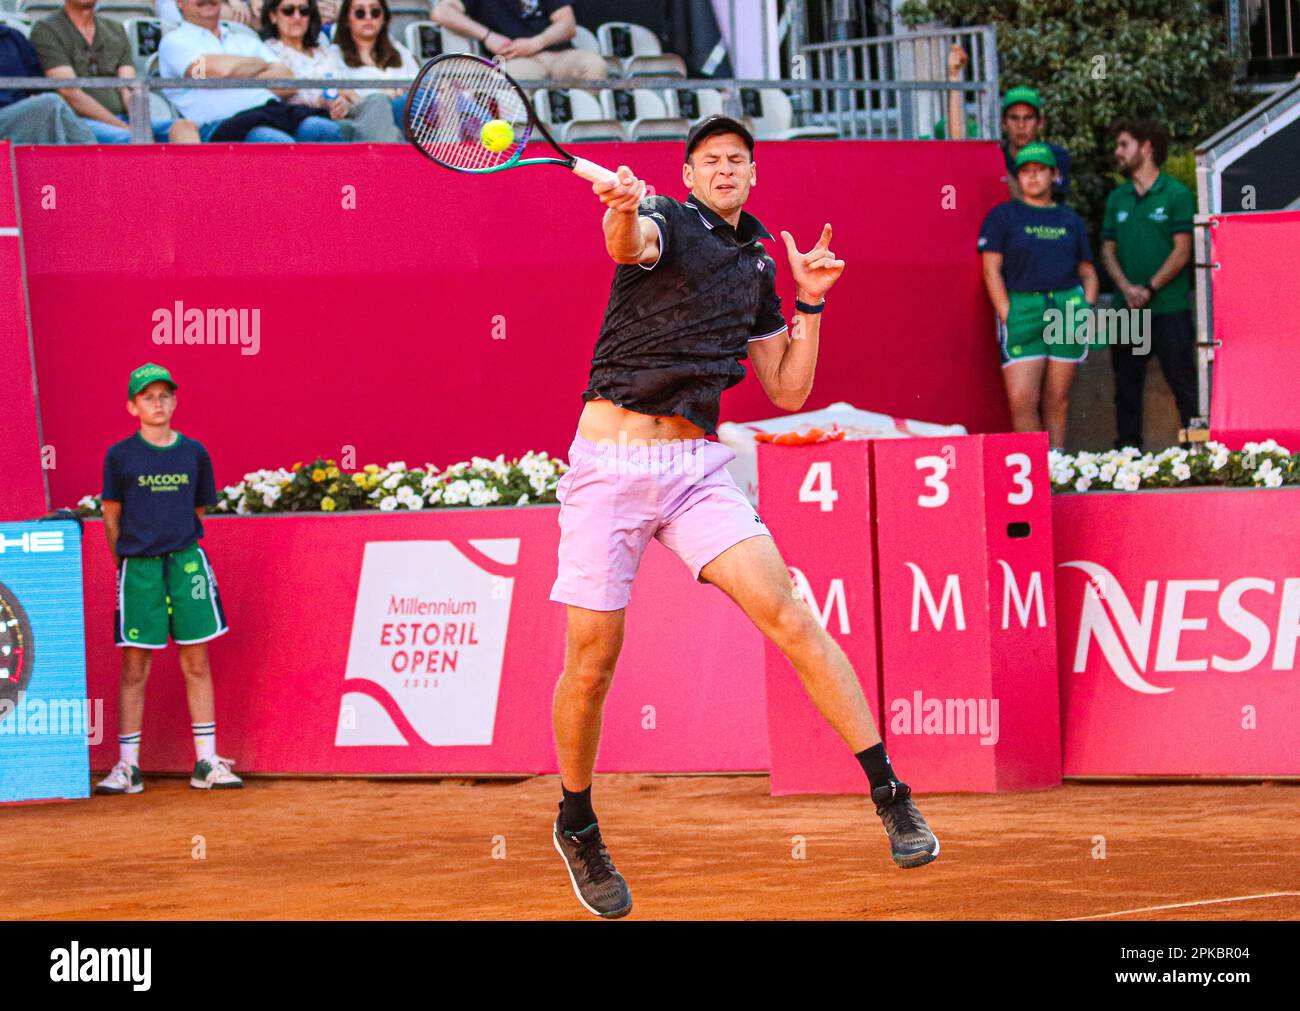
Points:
(692, 847)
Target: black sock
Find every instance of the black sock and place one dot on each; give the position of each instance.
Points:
(575, 810)
(875, 763)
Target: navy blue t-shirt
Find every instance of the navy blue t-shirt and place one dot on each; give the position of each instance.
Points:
(159, 488)
(517, 19)
(1041, 247)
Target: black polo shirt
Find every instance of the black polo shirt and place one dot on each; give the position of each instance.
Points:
(676, 331)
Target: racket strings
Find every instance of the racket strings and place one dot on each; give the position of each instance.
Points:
(449, 107)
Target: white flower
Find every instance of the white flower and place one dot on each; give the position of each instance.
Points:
(1181, 471)
(435, 496)
(427, 482)
(522, 500)
(415, 502)
(1274, 480)
(1088, 469)
(400, 465)
(388, 504)
(1108, 471)
(1082, 484)
(392, 481)
(404, 494)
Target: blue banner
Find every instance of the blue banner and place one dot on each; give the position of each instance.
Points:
(46, 720)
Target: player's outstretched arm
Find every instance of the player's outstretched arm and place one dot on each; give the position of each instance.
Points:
(629, 238)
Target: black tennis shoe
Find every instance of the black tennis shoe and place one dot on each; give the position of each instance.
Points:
(598, 886)
(911, 843)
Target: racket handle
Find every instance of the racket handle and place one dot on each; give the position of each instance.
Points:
(592, 172)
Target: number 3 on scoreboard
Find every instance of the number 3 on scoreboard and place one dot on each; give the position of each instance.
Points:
(817, 488)
(1025, 488)
(939, 491)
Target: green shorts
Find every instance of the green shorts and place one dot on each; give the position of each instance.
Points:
(1033, 331)
(173, 594)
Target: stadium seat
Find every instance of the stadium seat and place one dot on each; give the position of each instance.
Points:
(637, 51)
(144, 34)
(424, 40)
(585, 38)
(644, 115)
(693, 104)
(772, 114)
(453, 43)
(18, 22)
(575, 115)
(623, 40)
(403, 15)
(662, 65)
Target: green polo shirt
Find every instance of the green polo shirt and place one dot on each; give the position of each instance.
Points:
(1143, 230)
(59, 43)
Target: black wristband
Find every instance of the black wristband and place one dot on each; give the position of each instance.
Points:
(811, 310)
(485, 36)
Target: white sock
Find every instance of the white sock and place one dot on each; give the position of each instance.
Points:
(205, 740)
(129, 748)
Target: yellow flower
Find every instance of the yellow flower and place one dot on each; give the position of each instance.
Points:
(371, 468)
(296, 467)
(318, 475)
(334, 486)
(359, 480)
(328, 504)
(332, 471)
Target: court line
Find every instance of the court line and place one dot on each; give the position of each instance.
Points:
(1178, 905)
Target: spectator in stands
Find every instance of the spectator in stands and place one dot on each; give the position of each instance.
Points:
(243, 12)
(1146, 247)
(1022, 124)
(33, 117)
(203, 48)
(368, 52)
(292, 30)
(532, 37)
(74, 42)
(1035, 253)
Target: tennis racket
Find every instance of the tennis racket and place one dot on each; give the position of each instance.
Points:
(452, 99)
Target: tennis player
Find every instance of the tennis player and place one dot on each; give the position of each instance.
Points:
(157, 483)
(694, 294)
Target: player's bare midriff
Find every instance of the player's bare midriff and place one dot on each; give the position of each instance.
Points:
(602, 419)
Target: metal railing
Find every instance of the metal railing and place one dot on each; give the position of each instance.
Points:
(904, 82)
(867, 109)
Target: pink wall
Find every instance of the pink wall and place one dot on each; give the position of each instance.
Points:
(22, 492)
(1256, 317)
(377, 321)
(691, 661)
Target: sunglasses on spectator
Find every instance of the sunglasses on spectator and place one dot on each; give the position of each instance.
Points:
(288, 10)
(361, 14)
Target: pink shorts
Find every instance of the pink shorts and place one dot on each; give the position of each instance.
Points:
(614, 498)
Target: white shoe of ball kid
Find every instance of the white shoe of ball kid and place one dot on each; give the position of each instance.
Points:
(123, 778)
(215, 774)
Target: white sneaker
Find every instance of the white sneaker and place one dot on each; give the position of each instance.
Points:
(123, 778)
(215, 774)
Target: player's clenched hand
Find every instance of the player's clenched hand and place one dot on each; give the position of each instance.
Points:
(623, 195)
(816, 270)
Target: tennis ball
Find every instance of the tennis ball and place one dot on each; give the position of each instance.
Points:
(497, 135)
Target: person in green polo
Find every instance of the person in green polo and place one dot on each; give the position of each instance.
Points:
(1146, 247)
(1039, 275)
(157, 484)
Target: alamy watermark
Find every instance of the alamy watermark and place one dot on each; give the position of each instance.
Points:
(1098, 326)
(32, 717)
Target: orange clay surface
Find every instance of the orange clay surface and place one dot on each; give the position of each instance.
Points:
(691, 847)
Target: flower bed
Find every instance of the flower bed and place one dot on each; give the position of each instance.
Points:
(321, 486)
(1255, 465)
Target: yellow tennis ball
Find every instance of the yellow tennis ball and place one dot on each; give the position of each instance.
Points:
(497, 135)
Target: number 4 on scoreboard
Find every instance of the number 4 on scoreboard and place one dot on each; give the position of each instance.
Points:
(817, 488)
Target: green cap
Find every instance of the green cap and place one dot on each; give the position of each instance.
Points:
(1036, 152)
(1029, 96)
(146, 374)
